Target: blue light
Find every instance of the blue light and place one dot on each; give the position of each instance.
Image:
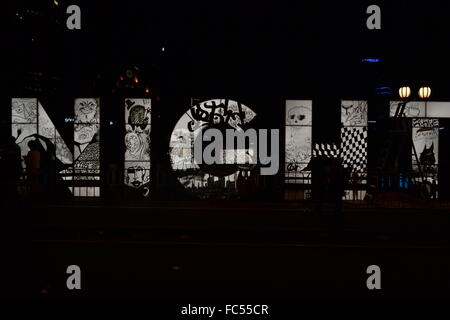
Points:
(371, 60)
(383, 91)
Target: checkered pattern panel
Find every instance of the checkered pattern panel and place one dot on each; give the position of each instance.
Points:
(354, 148)
(325, 149)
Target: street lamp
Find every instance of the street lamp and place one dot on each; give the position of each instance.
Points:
(404, 92)
(424, 92)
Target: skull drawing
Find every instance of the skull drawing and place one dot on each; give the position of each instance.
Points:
(298, 115)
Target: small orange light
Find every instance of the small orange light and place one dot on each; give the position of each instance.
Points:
(147, 90)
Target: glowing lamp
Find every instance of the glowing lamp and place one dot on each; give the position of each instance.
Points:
(404, 92)
(424, 92)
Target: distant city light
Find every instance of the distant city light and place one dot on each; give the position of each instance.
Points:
(384, 93)
(383, 90)
(55, 2)
(111, 123)
(371, 60)
(162, 49)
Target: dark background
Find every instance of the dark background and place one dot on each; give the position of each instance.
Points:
(259, 53)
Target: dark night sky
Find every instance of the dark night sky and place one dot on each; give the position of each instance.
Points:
(257, 52)
(231, 46)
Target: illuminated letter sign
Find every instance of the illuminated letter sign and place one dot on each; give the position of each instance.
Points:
(425, 134)
(137, 144)
(353, 149)
(233, 170)
(298, 140)
(32, 127)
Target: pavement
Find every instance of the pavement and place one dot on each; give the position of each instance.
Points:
(224, 250)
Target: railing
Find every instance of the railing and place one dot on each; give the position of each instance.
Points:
(389, 189)
(83, 185)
